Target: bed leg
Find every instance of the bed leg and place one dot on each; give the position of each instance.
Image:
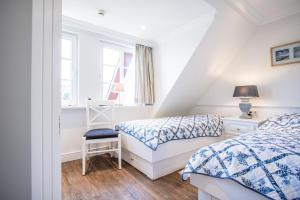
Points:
(203, 195)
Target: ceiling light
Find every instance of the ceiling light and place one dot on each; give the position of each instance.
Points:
(101, 12)
(143, 27)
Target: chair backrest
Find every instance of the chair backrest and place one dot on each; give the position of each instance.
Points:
(99, 114)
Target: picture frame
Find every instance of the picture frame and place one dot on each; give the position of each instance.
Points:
(285, 54)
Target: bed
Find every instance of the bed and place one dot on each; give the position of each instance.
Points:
(160, 146)
(263, 164)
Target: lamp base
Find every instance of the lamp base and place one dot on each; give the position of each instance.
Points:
(245, 107)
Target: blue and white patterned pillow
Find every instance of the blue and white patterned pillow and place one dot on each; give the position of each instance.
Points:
(282, 123)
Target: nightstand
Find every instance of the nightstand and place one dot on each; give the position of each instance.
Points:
(235, 126)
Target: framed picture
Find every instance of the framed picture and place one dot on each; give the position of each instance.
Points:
(285, 54)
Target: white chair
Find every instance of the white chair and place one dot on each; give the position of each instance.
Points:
(99, 113)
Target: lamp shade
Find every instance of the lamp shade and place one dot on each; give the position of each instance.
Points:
(245, 91)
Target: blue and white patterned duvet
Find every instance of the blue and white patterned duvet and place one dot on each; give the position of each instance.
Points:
(153, 132)
(266, 161)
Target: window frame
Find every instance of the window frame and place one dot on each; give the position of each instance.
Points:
(116, 46)
(74, 60)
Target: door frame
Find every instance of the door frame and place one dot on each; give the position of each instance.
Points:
(45, 100)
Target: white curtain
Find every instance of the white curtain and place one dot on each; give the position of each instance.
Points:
(144, 92)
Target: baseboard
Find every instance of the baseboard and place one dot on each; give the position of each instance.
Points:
(76, 155)
(70, 156)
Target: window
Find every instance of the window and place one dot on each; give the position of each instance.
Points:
(68, 69)
(118, 73)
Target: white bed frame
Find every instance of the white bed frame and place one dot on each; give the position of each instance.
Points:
(210, 188)
(167, 158)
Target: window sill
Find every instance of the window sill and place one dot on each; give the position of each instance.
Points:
(79, 107)
(73, 107)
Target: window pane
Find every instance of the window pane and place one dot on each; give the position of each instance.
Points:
(127, 59)
(66, 69)
(127, 97)
(108, 73)
(66, 92)
(68, 66)
(111, 56)
(66, 48)
(118, 69)
(113, 96)
(105, 90)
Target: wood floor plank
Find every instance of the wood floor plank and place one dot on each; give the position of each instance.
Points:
(105, 182)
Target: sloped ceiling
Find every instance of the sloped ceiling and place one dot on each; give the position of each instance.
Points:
(173, 52)
(227, 34)
(234, 24)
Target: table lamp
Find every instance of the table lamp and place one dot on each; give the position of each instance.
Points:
(245, 93)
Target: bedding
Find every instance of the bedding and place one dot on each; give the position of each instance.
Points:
(266, 161)
(154, 132)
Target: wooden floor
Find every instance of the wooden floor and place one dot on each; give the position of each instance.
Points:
(105, 181)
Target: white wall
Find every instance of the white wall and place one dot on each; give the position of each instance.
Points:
(74, 126)
(15, 95)
(278, 86)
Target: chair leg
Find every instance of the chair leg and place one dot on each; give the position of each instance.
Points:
(115, 146)
(111, 146)
(88, 156)
(119, 152)
(83, 156)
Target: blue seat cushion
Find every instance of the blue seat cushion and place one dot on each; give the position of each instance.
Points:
(100, 133)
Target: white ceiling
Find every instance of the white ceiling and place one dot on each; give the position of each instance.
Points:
(266, 11)
(146, 19)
